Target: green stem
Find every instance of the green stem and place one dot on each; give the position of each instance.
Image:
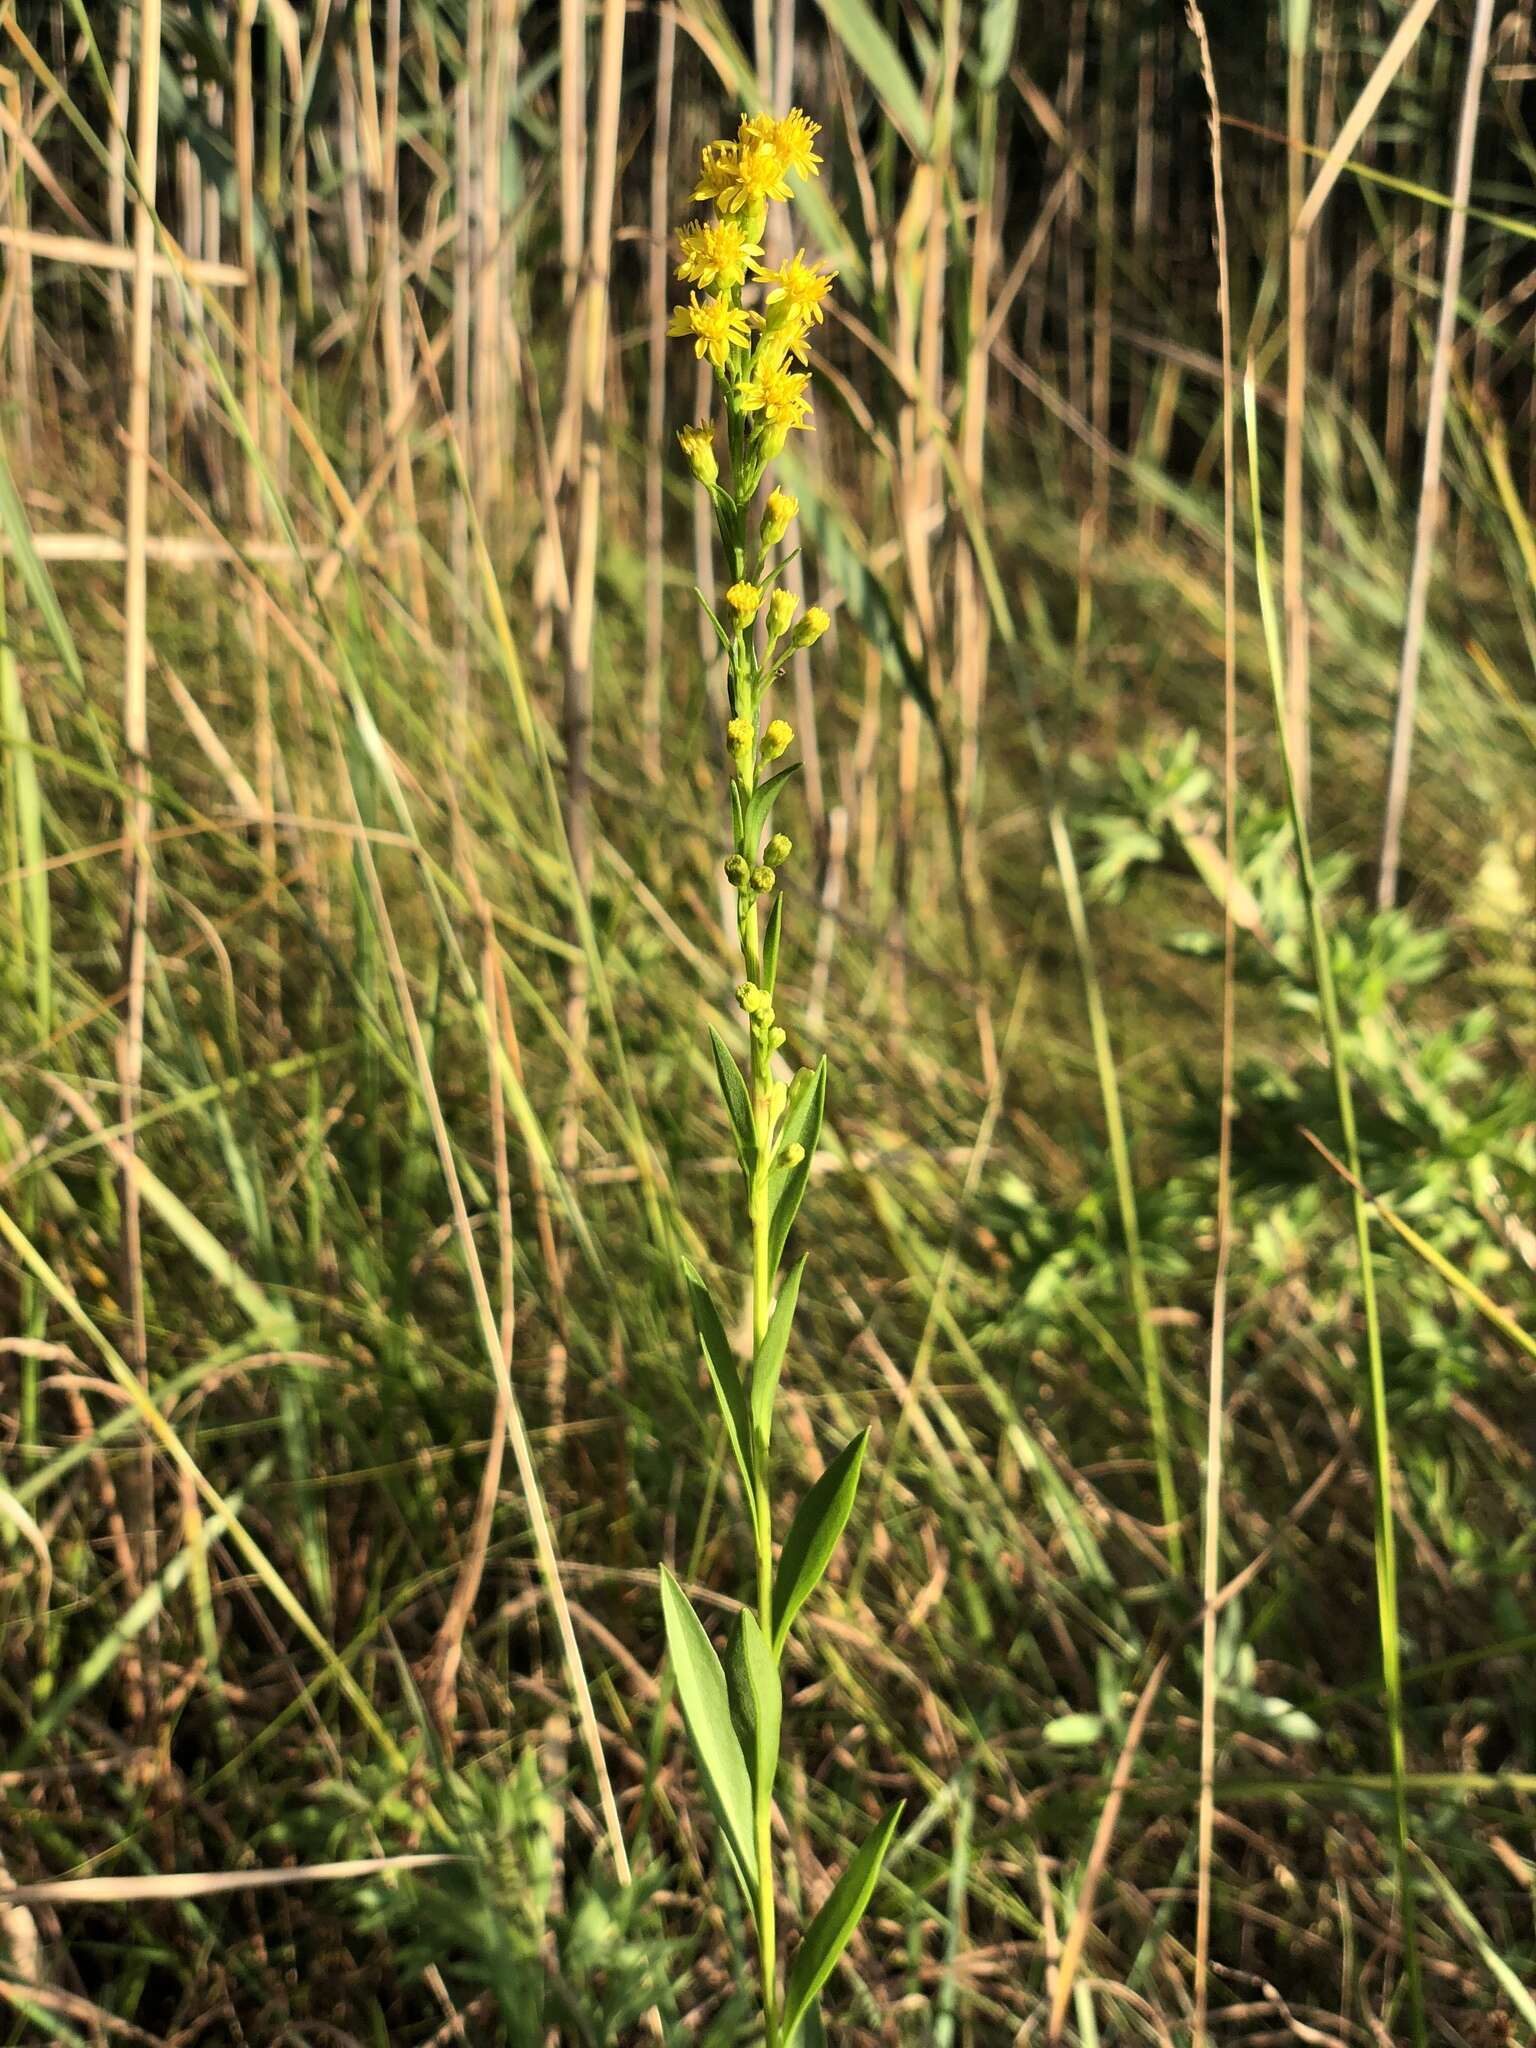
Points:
(761, 1278)
(745, 694)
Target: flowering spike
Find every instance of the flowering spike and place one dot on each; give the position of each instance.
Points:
(753, 326)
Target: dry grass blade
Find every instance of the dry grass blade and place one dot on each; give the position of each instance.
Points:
(1098, 1853)
(188, 1884)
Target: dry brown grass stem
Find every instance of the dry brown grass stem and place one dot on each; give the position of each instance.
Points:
(138, 817)
(1434, 444)
(1216, 1386)
(657, 267)
(1098, 1853)
(90, 254)
(592, 325)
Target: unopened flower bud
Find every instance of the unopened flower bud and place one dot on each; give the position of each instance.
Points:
(776, 739)
(762, 879)
(777, 514)
(743, 600)
(810, 628)
(776, 1039)
(738, 736)
(698, 446)
(781, 609)
(793, 1154)
(778, 850)
(737, 870)
(750, 997)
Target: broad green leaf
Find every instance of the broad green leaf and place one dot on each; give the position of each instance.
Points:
(859, 29)
(701, 1690)
(802, 1126)
(723, 1376)
(819, 1521)
(769, 1359)
(757, 1701)
(829, 1933)
(738, 1105)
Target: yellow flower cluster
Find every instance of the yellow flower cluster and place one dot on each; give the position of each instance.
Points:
(756, 350)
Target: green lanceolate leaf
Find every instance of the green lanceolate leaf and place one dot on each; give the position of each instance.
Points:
(738, 1106)
(819, 1521)
(701, 1690)
(761, 802)
(802, 1127)
(810, 2033)
(863, 35)
(720, 633)
(757, 1701)
(723, 1376)
(771, 944)
(769, 1359)
(828, 1934)
(998, 22)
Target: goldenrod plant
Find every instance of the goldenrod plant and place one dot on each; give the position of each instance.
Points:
(753, 324)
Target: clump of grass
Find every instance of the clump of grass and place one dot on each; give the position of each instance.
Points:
(760, 357)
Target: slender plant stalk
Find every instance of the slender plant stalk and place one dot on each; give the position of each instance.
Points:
(1216, 1390)
(1152, 1362)
(138, 820)
(1434, 443)
(1381, 1428)
(1298, 644)
(734, 1711)
(577, 711)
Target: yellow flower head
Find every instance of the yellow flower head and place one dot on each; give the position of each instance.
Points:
(698, 446)
(777, 737)
(781, 338)
(743, 175)
(778, 393)
(781, 610)
(794, 136)
(778, 514)
(717, 170)
(810, 628)
(744, 599)
(798, 290)
(714, 326)
(715, 252)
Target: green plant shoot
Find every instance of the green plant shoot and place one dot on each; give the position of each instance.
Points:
(760, 354)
